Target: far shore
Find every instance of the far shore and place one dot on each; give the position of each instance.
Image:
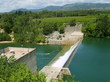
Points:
(9, 42)
(6, 42)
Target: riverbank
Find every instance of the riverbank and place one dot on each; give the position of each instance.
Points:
(71, 35)
(68, 42)
(6, 42)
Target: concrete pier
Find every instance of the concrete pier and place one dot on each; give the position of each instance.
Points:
(55, 73)
(26, 55)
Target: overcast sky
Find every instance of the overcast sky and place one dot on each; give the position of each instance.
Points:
(8, 5)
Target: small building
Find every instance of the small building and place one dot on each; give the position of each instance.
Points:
(26, 55)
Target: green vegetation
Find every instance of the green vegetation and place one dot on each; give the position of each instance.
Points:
(72, 22)
(67, 19)
(98, 28)
(34, 26)
(4, 37)
(12, 72)
(40, 38)
(7, 22)
(26, 29)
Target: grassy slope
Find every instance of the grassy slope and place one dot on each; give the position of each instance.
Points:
(67, 19)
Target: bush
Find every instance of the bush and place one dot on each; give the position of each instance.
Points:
(4, 37)
(62, 29)
(12, 72)
(98, 28)
(21, 38)
(40, 39)
(59, 37)
(72, 22)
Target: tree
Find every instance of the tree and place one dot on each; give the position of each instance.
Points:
(89, 29)
(102, 25)
(7, 22)
(4, 37)
(20, 38)
(62, 29)
(97, 28)
(12, 72)
(72, 22)
(40, 38)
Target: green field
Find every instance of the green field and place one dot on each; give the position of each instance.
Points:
(66, 19)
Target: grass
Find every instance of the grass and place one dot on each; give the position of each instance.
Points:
(81, 19)
(61, 53)
(67, 19)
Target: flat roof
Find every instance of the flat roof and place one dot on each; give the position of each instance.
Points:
(16, 51)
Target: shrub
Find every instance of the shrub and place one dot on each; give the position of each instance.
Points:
(4, 37)
(72, 22)
(12, 72)
(40, 39)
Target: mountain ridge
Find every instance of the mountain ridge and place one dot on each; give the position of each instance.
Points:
(73, 6)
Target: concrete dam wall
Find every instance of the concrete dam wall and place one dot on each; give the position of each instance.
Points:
(30, 60)
(22, 55)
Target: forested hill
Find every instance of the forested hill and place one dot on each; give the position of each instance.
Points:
(80, 6)
(74, 6)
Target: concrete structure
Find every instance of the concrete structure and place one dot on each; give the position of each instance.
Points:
(26, 55)
(59, 67)
(55, 73)
(63, 59)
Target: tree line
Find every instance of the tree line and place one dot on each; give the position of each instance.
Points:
(97, 28)
(25, 28)
(49, 14)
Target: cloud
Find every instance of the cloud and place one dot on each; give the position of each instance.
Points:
(8, 5)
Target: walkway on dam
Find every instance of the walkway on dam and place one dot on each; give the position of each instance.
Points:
(57, 68)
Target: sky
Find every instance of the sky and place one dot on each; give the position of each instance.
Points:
(8, 5)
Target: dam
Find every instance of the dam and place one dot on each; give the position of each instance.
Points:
(59, 66)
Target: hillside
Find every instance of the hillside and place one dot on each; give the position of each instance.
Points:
(80, 6)
(74, 6)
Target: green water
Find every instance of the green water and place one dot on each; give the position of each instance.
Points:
(92, 61)
(45, 53)
(90, 64)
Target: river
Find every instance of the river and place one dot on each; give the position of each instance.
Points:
(92, 61)
(44, 53)
(90, 64)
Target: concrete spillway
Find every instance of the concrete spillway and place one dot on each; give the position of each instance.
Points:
(63, 59)
(57, 69)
